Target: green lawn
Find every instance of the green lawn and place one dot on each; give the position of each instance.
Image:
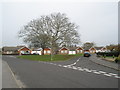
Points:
(48, 57)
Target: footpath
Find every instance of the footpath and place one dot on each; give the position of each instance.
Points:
(8, 80)
(109, 64)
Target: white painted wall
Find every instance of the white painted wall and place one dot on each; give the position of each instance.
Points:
(72, 52)
(37, 52)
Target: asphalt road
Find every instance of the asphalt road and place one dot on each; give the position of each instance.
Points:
(76, 73)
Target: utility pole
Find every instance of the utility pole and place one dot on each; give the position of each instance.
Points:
(51, 45)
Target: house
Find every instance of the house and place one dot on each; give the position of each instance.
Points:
(16, 50)
(79, 50)
(101, 49)
(47, 51)
(92, 50)
(37, 51)
(104, 49)
(72, 50)
(75, 50)
(64, 51)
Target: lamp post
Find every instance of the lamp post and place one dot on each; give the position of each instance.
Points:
(51, 44)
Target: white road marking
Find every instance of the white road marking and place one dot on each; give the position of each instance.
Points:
(85, 69)
(97, 72)
(102, 72)
(112, 74)
(74, 63)
(117, 77)
(107, 75)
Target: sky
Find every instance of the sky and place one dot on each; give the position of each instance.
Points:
(97, 21)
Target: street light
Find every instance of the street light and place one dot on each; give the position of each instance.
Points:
(51, 44)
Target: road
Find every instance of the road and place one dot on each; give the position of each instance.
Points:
(76, 73)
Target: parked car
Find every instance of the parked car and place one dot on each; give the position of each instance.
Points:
(87, 54)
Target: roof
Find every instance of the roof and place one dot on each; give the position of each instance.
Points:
(37, 49)
(98, 48)
(72, 48)
(11, 48)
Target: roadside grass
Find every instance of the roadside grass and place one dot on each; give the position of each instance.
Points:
(48, 57)
(109, 58)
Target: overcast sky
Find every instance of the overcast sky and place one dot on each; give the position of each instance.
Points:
(98, 21)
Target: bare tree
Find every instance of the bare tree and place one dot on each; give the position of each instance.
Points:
(52, 30)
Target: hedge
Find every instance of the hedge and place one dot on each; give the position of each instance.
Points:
(115, 53)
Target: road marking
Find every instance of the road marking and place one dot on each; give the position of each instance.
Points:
(74, 62)
(86, 70)
(107, 75)
(97, 72)
(102, 72)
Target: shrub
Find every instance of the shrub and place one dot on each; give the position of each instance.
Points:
(115, 53)
(117, 59)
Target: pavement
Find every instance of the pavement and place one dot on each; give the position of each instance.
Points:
(106, 63)
(8, 79)
(77, 73)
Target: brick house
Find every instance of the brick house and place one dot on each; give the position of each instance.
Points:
(18, 50)
(47, 51)
(79, 50)
(64, 51)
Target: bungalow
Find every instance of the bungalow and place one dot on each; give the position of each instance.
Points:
(79, 50)
(75, 50)
(16, 50)
(101, 49)
(72, 50)
(47, 51)
(92, 50)
(37, 51)
(64, 51)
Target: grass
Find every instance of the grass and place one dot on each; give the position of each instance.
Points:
(48, 57)
(109, 58)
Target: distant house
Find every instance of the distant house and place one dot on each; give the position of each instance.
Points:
(79, 50)
(101, 49)
(89, 49)
(92, 50)
(47, 51)
(16, 50)
(37, 51)
(75, 50)
(64, 50)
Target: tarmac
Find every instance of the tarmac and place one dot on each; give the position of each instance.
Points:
(9, 80)
(105, 63)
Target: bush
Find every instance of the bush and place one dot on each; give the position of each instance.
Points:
(115, 53)
(117, 59)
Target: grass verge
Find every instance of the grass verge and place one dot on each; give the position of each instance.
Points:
(48, 57)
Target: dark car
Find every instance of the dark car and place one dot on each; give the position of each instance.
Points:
(87, 54)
